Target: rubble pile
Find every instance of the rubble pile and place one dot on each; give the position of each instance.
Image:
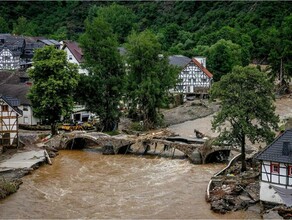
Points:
(234, 190)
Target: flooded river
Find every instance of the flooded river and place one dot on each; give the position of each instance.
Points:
(83, 184)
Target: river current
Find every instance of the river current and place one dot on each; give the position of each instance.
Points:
(88, 185)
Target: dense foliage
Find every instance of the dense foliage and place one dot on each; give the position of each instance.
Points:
(104, 83)
(180, 25)
(247, 105)
(54, 83)
(149, 77)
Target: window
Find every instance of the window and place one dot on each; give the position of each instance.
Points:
(203, 79)
(275, 168)
(25, 120)
(290, 170)
(4, 108)
(25, 108)
(70, 57)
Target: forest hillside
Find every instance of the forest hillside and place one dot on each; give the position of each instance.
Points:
(252, 31)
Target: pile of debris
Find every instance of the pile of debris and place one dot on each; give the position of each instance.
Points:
(234, 190)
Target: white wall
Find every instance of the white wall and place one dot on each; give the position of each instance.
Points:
(72, 59)
(9, 123)
(276, 178)
(27, 118)
(268, 194)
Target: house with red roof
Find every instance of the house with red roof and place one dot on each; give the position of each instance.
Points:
(194, 78)
(74, 54)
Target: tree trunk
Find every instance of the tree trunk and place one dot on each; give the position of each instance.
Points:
(54, 130)
(243, 162)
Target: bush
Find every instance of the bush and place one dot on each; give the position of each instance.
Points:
(137, 126)
(8, 187)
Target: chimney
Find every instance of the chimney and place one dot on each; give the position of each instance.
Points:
(201, 60)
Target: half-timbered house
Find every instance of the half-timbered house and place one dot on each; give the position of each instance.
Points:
(194, 78)
(276, 170)
(11, 48)
(9, 114)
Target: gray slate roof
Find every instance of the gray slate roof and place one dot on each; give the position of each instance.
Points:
(179, 60)
(14, 43)
(11, 86)
(274, 151)
(13, 102)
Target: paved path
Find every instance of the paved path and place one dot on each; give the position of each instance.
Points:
(23, 160)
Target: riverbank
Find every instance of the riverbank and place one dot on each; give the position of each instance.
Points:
(186, 129)
(31, 140)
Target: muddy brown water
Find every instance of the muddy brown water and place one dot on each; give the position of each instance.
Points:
(88, 185)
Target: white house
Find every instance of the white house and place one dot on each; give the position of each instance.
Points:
(276, 170)
(74, 54)
(17, 86)
(9, 114)
(194, 78)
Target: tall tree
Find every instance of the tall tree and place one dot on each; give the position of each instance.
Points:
(4, 26)
(120, 18)
(104, 83)
(247, 108)
(24, 27)
(223, 56)
(280, 55)
(149, 76)
(54, 82)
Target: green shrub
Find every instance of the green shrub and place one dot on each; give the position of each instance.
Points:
(136, 126)
(8, 187)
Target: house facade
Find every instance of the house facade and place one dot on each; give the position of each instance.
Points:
(16, 52)
(17, 86)
(194, 78)
(11, 48)
(74, 54)
(9, 114)
(276, 170)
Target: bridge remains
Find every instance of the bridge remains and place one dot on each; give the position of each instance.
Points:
(196, 149)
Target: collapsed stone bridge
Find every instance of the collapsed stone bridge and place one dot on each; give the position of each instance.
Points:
(195, 149)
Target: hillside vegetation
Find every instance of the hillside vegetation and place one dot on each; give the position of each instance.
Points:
(181, 25)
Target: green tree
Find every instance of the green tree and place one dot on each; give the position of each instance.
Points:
(222, 57)
(24, 27)
(60, 34)
(104, 84)
(120, 18)
(4, 26)
(280, 55)
(54, 82)
(247, 108)
(149, 76)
